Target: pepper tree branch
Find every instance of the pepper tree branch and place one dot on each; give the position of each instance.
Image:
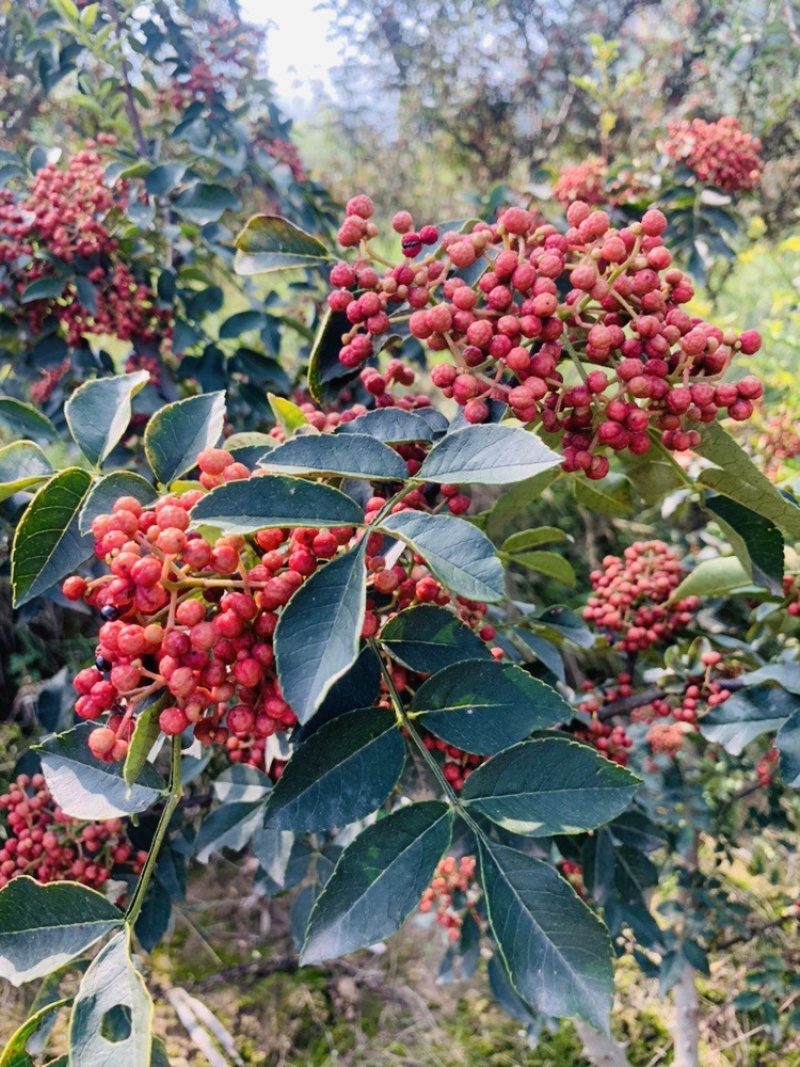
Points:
(127, 88)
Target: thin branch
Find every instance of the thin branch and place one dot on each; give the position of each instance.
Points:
(127, 88)
(754, 931)
(625, 705)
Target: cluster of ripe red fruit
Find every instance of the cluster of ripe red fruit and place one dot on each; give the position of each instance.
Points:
(63, 218)
(452, 892)
(543, 307)
(631, 597)
(39, 840)
(191, 624)
(791, 592)
(720, 153)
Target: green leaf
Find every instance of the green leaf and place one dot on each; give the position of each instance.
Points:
(230, 826)
(516, 499)
(459, 554)
(487, 455)
(288, 416)
(48, 288)
(42, 927)
(241, 783)
(241, 322)
(326, 374)
(343, 772)
(736, 476)
(48, 544)
(113, 1014)
(272, 500)
(353, 455)
(548, 563)
(145, 734)
(483, 706)
(559, 623)
(712, 578)
(319, 630)
(164, 178)
(271, 243)
(552, 785)
(787, 741)
(428, 638)
(612, 496)
(756, 540)
(655, 479)
(756, 710)
(25, 420)
(378, 881)
(177, 432)
(88, 789)
(22, 465)
(206, 202)
(15, 1054)
(106, 492)
(98, 412)
(556, 951)
(527, 539)
(68, 10)
(392, 425)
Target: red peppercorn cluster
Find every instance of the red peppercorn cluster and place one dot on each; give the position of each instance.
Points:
(64, 218)
(667, 738)
(38, 839)
(547, 306)
(685, 706)
(631, 594)
(225, 60)
(778, 440)
(582, 181)
(720, 153)
(791, 593)
(382, 385)
(285, 152)
(195, 621)
(609, 738)
(42, 390)
(573, 872)
(453, 892)
(589, 181)
(766, 767)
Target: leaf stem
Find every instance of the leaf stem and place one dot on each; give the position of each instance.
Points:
(435, 769)
(173, 800)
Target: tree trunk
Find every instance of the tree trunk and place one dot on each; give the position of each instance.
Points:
(601, 1050)
(686, 1030)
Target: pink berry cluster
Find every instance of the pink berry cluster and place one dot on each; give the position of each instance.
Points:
(791, 593)
(582, 331)
(38, 839)
(573, 872)
(224, 65)
(667, 738)
(589, 181)
(778, 440)
(720, 153)
(191, 623)
(609, 738)
(285, 152)
(64, 217)
(674, 715)
(631, 594)
(452, 893)
(582, 181)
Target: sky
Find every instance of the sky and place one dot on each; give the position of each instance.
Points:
(298, 51)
